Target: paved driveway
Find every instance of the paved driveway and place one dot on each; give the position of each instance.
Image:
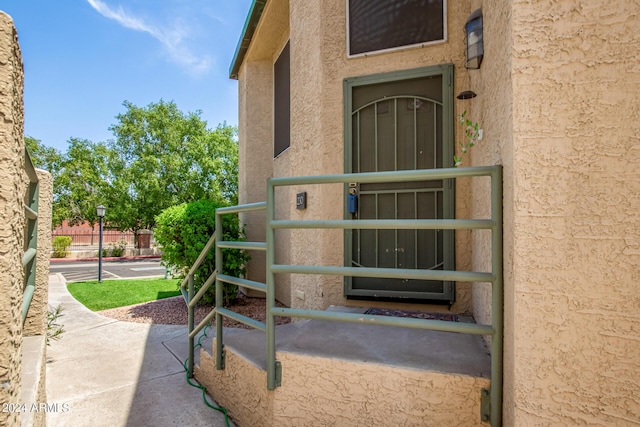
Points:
(79, 271)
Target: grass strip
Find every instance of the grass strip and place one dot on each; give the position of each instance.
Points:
(119, 293)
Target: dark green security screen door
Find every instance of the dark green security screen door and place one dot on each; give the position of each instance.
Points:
(399, 124)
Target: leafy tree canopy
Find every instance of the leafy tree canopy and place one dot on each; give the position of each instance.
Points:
(160, 157)
(43, 157)
(81, 181)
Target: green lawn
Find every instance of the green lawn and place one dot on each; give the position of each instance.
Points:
(117, 293)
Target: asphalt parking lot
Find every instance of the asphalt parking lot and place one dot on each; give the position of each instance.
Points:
(79, 271)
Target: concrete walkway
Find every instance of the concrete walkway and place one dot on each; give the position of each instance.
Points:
(104, 372)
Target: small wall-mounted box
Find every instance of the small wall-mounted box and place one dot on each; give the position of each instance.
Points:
(301, 200)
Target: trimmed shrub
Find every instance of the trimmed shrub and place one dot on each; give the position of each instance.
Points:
(117, 249)
(183, 231)
(60, 245)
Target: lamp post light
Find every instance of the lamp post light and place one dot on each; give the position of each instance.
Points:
(100, 210)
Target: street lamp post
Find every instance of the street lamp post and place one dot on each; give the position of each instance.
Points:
(100, 210)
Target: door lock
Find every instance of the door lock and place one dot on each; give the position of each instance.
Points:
(352, 200)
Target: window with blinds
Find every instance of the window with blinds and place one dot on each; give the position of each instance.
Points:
(281, 103)
(378, 25)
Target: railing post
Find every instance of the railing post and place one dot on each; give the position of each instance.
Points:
(190, 327)
(497, 300)
(31, 235)
(271, 292)
(219, 294)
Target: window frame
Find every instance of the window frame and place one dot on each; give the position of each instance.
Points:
(444, 39)
(283, 148)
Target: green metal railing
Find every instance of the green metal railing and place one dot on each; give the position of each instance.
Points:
(491, 398)
(192, 298)
(257, 286)
(187, 290)
(31, 235)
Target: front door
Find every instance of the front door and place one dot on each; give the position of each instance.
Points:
(400, 121)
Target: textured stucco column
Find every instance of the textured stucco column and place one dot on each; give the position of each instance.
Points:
(255, 167)
(255, 133)
(12, 189)
(37, 315)
(573, 338)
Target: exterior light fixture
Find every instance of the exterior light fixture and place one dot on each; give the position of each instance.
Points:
(474, 40)
(467, 94)
(100, 210)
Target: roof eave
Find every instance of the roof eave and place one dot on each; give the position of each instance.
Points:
(253, 17)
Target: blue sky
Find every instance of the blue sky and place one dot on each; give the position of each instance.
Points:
(84, 58)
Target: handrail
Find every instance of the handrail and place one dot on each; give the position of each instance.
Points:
(387, 273)
(492, 408)
(495, 330)
(370, 319)
(257, 286)
(405, 224)
(29, 258)
(187, 284)
(187, 291)
(196, 264)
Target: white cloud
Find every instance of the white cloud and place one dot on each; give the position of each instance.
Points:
(172, 39)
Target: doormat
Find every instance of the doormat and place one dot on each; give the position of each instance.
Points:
(449, 317)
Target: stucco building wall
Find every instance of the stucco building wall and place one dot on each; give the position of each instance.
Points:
(492, 110)
(14, 183)
(557, 101)
(576, 204)
(318, 67)
(254, 95)
(12, 190)
(36, 321)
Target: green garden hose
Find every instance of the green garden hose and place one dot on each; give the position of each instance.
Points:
(203, 388)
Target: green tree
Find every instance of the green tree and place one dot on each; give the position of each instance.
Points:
(162, 157)
(43, 157)
(82, 180)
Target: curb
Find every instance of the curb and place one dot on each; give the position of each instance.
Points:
(122, 258)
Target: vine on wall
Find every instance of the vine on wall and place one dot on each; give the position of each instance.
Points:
(472, 134)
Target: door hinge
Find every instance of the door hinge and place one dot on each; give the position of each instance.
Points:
(485, 405)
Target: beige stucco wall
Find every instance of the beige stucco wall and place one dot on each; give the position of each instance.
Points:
(320, 391)
(318, 67)
(254, 94)
(572, 325)
(318, 127)
(558, 103)
(36, 321)
(12, 190)
(492, 109)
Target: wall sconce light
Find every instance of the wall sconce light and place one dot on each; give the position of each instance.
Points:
(474, 39)
(467, 94)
